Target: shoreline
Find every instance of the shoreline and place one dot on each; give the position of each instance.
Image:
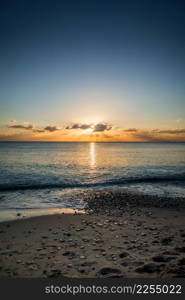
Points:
(9, 215)
(99, 201)
(110, 240)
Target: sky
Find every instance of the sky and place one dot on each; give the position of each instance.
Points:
(92, 70)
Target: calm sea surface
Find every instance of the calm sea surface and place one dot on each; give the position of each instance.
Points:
(48, 175)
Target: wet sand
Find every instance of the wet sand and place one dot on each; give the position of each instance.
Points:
(137, 241)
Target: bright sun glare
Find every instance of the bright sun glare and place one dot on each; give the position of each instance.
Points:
(88, 130)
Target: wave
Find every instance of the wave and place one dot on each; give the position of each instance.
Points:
(120, 181)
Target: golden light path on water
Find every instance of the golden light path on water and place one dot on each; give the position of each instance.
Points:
(92, 155)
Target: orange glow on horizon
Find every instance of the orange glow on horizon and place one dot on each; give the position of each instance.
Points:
(89, 132)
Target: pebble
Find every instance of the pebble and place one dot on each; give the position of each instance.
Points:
(143, 234)
(34, 268)
(180, 249)
(161, 258)
(19, 261)
(29, 262)
(107, 270)
(123, 254)
(149, 268)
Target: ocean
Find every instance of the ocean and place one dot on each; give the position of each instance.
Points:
(52, 175)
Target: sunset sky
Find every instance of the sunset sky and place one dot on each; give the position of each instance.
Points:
(92, 70)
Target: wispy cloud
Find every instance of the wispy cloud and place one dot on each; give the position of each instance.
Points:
(146, 136)
(21, 126)
(171, 131)
(51, 128)
(39, 130)
(157, 135)
(131, 130)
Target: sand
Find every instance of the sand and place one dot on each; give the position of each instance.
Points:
(141, 242)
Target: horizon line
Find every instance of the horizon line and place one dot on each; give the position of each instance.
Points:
(172, 142)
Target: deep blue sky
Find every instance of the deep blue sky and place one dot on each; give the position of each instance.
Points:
(114, 61)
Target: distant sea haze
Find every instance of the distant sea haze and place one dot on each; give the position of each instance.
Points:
(49, 175)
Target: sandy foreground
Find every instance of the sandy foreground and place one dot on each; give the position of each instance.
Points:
(142, 242)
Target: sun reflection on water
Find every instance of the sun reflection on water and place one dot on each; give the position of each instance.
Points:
(92, 155)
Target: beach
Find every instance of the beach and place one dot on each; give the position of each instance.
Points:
(92, 147)
(119, 235)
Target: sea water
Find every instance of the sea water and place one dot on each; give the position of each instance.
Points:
(51, 175)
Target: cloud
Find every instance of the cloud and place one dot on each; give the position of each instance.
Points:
(38, 130)
(74, 126)
(146, 136)
(20, 126)
(79, 126)
(170, 131)
(85, 126)
(31, 127)
(96, 128)
(101, 127)
(158, 135)
(100, 131)
(130, 130)
(51, 128)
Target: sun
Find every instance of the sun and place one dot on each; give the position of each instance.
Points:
(88, 130)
